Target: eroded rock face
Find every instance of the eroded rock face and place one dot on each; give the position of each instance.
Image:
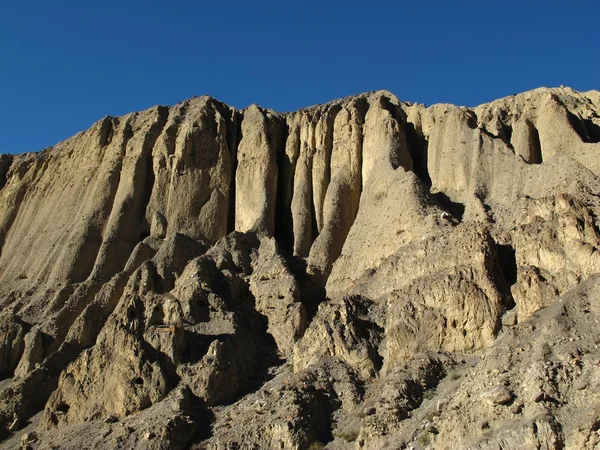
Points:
(257, 171)
(191, 163)
(343, 193)
(202, 276)
(556, 247)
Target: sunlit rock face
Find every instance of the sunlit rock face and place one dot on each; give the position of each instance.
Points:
(367, 273)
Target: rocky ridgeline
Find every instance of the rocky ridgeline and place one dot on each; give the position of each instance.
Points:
(366, 273)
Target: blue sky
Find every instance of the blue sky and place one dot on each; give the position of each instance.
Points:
(66, 64)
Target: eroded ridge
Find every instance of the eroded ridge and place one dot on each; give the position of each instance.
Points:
(201, 275)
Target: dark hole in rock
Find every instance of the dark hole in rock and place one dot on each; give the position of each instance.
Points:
(139, 381)
(593, 131)
(63, 408)
(508, 263)
(157, 317)
(455, 208)
(507, 132)
(536, 147)
(199, 309)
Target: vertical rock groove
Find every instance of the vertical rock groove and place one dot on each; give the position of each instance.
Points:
(526, 141)
(235, 136)
(303, 186)
(321, 174)
(257, 171)
(288, 155)
(78, 263)
(343, 193)
(5, 163)
(133, 193)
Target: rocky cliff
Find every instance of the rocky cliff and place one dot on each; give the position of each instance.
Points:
(367, 273)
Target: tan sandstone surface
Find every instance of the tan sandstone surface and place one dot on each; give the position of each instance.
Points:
(363, 274)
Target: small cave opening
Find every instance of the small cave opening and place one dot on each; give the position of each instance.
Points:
(455, 208)
(535, 151)
(158, 316)
(508, 263)
(131, 314)
(63, 408)
(507, 132)
(507, 259)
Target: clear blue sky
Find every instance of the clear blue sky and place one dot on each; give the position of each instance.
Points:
(66, 64)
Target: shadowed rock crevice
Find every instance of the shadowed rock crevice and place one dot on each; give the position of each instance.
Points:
(457, 209)
(62, 321)
(106, 131)
(526, 141)
(236, 137)
(508, 275)
(507, 132)
(418, 151)
(593, 131)
(587, 129)
(150, 179)
(508, 263)
(149, 176)
(417, 144)
(5, 163)
(126, 224)
(535, 147)
(321, 173)
(284, 230)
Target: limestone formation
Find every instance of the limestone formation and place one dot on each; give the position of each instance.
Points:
(368, 273)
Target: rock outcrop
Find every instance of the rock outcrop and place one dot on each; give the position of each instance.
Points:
(367, 273)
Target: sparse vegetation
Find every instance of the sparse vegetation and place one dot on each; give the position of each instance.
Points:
(424, 439)
(347, 434)
(429, 394)
(455, 375)
(432, 414)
